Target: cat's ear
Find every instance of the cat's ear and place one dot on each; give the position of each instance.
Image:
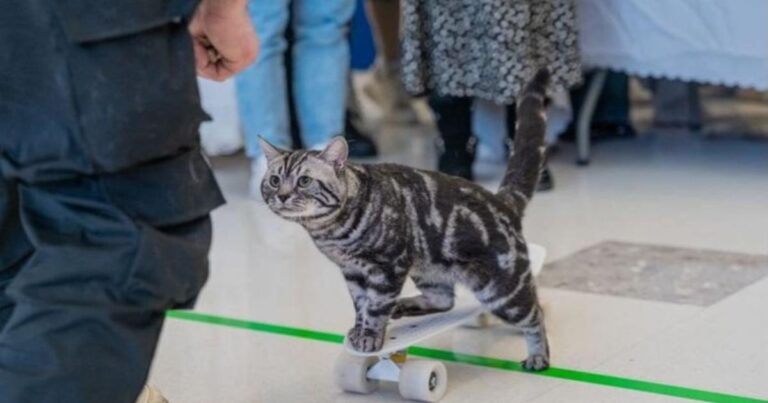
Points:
(336, 152)
(270, 151)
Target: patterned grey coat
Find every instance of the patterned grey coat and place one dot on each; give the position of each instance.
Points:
(487, 48)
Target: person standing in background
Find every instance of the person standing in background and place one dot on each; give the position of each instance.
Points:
(104, 193)
(320, 56)
(385, 87)
(455, 51)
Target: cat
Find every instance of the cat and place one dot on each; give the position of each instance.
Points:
(383, 223)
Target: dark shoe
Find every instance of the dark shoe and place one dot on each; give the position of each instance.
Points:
(545, 180)
(457, 160)
(360, 146)
(456, 146)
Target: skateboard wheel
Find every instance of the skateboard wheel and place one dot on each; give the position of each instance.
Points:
(423, 380)
(351, 373)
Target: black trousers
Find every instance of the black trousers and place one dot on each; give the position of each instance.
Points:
(104, 194)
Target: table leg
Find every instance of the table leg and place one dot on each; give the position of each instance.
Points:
(586, 113)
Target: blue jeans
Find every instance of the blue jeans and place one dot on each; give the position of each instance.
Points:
(320, 68)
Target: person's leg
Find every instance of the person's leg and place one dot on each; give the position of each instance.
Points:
(511, 120)
(489, 126)
(7, 274)
(453, 116)
(385, 21)
(321, 65)
(262, 91)
(385, 87)
(358, 137)
(115, 240)
(90, 301)
(14, 246)
(261, 88)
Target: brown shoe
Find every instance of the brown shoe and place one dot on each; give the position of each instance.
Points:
(150, 394)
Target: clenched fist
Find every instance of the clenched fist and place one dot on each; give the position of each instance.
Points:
(224, 39)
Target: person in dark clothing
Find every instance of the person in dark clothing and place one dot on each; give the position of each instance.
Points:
(104, 193)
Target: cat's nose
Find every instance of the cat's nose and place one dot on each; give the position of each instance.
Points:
(283, 198)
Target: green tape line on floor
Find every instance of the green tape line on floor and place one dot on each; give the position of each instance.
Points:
(480, 361)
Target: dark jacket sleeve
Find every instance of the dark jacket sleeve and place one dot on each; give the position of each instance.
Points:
(114, 96)
(94, 20)
(89, 87)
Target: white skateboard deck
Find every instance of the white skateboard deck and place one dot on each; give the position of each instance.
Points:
(407, 331)
(537, 255)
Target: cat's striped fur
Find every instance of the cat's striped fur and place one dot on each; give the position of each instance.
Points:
(383, 223)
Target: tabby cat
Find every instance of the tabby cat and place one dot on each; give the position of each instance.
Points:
(384, 223)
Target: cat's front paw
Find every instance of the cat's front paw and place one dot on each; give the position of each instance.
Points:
(398, 311)
(536, 362)
(365, 340)
(407, 307)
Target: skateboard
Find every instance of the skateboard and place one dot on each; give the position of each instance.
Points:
(421, 380)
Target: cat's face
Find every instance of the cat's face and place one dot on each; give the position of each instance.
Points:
(305, 185)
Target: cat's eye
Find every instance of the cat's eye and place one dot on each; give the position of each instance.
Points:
(304, 181)
(274, 181)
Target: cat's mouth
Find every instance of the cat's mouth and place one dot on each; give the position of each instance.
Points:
(285, 208)
(292, 212)
(301, 214)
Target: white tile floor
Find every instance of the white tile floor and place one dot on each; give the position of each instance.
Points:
(668, 189)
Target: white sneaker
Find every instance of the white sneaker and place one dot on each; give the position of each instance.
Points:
(150, 394)
(386, 90)
(490, 155)
(258, 170)
(320, 146)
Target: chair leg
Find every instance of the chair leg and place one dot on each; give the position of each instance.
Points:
(585, 116)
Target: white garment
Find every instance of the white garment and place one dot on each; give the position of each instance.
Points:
(708, 41)
(258, 170)
(490, 127)
(221, 136)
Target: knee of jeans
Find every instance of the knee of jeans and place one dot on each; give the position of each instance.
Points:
(271, 24)
(323, 32)
(273, 44)
(322, 21)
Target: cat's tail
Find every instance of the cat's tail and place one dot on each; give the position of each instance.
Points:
(527, 154)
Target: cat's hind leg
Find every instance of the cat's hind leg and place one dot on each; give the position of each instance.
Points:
(538, 347)
(524, 312)
(511, 296)
(436, 296)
